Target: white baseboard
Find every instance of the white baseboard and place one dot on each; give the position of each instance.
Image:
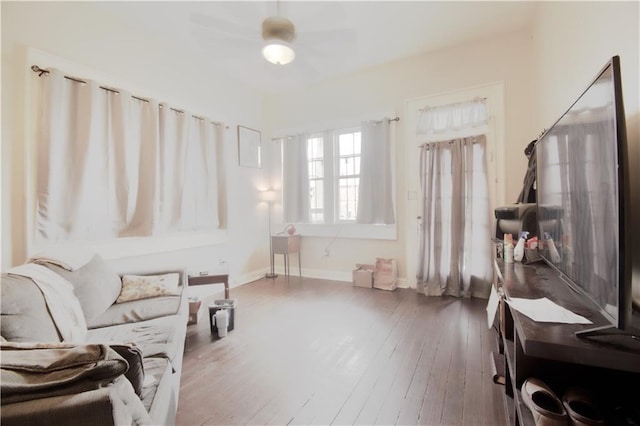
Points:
(333, 275)
(322, 274)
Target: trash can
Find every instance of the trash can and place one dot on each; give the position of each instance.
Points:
(229, 305)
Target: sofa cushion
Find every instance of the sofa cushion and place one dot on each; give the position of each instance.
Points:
(157, 370)
(96, 285)
(25, 317)
(137, 310)
(137, 287)
(156, 337)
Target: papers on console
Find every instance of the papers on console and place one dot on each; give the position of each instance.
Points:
(492, 306)
(544, 310)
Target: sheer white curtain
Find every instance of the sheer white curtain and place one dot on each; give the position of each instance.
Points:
(460, 117)
(106, 162)
(295, 179)
(454, 254)
(375, 193)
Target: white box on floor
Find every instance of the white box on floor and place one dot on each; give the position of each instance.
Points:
(363, 276)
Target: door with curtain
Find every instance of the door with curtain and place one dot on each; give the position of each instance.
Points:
(454, 238)
(454, 250)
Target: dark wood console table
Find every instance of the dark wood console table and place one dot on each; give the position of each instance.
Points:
(211, 279)
(609, 365)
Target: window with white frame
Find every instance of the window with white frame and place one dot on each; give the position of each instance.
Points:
(334, 175)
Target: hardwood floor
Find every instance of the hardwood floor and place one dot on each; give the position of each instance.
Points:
(308, 351)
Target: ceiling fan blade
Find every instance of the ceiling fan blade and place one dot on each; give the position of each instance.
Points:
(337, 36)
(229, 43)
(222, 26)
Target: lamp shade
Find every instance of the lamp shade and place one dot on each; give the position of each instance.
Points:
(278, 52)
(268, 195)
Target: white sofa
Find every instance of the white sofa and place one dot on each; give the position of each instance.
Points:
(146, 334)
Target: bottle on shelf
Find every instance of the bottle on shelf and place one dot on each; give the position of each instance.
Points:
(508, 248)
(518, 252)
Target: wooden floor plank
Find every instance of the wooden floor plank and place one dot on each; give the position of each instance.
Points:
(434, 397)
(308, 351)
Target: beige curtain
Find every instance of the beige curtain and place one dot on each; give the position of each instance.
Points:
(375, 191)
(454, 255)
(110, 165)
(295, 179)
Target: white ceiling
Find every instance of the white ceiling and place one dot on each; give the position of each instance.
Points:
(334, 37)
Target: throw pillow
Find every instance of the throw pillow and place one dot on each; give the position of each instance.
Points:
(135, 287)
(96, 285)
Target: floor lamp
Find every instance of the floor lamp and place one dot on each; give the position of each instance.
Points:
(270, 196)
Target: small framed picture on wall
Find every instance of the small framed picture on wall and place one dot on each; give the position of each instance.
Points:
(249, 149)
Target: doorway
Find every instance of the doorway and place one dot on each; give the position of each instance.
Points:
(494, 95)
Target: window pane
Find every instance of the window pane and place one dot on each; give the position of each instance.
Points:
(315, 148)
(316, 193)
(348, 166)
(316, 169)
(348, 198)
(315, 156)
(345, 144)
(356, 143)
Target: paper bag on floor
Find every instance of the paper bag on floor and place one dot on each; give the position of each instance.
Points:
(385, 276)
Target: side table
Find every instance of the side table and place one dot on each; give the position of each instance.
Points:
(285, 245)
(211, 279)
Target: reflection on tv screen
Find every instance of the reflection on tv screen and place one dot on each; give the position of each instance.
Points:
(578, 194)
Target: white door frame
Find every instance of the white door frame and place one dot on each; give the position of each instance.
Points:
(496, 167)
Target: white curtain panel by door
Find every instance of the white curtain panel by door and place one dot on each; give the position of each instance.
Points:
(375, 193)
(111, 165)
(295, 179)
(454, 254)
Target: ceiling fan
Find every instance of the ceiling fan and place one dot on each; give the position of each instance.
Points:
(279, 35)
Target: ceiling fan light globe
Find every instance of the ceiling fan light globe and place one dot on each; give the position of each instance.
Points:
(278, 52)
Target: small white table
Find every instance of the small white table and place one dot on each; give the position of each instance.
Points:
(285, 245)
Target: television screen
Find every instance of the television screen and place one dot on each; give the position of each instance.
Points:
(579, 190)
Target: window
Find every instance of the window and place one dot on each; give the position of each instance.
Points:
(348, 174)
(334, 175)
(315, 153)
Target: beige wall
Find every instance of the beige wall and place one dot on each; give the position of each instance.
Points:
(506, 59)
(86, 38)
(572, 42)
(542, 70)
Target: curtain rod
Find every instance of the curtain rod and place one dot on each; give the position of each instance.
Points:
(389, 120)
(41, 72)
(449, 141)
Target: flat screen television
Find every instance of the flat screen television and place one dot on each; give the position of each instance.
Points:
(583, 199)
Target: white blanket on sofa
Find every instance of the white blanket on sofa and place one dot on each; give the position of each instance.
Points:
(63, 305)
(69, 258)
